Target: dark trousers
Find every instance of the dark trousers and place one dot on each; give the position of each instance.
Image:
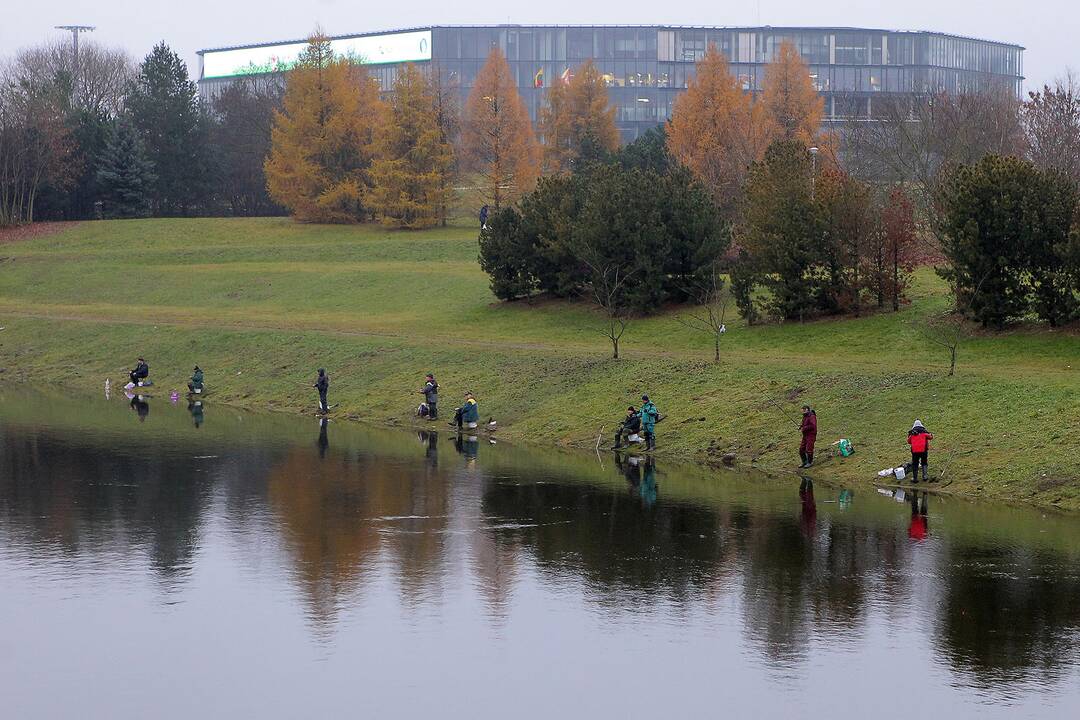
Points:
(916, 458)
(458, 420)
(134, 378)
(322, 401)
(650, 439)
(433, 410)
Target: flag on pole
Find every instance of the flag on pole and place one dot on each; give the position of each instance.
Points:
(538, 78)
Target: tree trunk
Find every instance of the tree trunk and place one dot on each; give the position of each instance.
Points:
(952, 364)
(716, 343)
(615, 348)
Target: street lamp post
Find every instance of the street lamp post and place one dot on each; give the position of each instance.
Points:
(813, 170)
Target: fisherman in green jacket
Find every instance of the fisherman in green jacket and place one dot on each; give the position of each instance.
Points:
(196, 384)
(649, 416)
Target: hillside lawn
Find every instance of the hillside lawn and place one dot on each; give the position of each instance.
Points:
(260, 304)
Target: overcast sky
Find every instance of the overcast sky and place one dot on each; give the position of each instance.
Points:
(1047, 28)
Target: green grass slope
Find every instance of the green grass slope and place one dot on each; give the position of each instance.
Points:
(260, 304)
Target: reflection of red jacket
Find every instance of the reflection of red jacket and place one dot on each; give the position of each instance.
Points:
(918, 530)
(809, 425)
(920, 441)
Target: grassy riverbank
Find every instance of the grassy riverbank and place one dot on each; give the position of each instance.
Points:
(261, 303)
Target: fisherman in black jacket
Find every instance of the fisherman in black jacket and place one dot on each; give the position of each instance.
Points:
(322, 384)
(631, 426)
(140, 373)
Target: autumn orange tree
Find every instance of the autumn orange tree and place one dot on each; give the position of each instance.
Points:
(497, 136)
(322, 141)
(716, 130)
(577, 120)
(411, 157)
(793, 105)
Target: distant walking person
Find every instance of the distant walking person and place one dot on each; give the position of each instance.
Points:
(431, 397)
(483, 217)
(919, 440)
(809, 436)
(322, 384)
(649, 416)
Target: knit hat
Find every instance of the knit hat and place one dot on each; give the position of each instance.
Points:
(918, 424)
(644, 398)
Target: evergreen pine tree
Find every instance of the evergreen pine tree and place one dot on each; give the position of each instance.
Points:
(164, 109)
(125, 176)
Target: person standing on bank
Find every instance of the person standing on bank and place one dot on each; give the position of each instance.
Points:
(919, 440)
(431, 396)
(649, 416)
(809, 436)
(322, 384)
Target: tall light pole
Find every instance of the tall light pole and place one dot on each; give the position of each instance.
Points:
(75, 31)
(813, 170)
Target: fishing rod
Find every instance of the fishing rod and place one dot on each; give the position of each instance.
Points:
(779, 407)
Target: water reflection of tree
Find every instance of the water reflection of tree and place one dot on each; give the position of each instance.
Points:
(610, 539)
(340, 514)
(1009, 614)
(88, 500)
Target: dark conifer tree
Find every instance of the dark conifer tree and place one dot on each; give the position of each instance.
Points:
(125, 176)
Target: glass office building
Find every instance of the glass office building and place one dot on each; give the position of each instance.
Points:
(646, 67)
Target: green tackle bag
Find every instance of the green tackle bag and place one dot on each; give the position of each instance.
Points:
(845, 448)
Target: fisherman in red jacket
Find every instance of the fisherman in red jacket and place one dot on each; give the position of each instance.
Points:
(919, 440)
(809, 436)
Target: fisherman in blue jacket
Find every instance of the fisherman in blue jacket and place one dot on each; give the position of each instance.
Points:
(649, 416)
(468, 415)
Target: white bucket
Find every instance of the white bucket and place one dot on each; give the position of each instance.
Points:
(899, 473)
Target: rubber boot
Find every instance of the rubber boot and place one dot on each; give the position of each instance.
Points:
(809, 459)
(802, 455)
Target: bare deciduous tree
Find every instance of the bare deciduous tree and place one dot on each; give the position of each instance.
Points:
(1052, 126)
(708, 317)
(910, 138)
(607, 283)
(35, 143)
(98, 82)
(953, 329)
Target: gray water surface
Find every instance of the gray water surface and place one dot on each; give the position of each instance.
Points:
(172, 562)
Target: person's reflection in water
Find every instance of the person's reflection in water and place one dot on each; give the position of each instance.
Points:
(467, 445)
(920, 525)
(649, 488)
(324, 442)
(431, 446)
(140, 406)
(195, 407)
(808, 515)
(630, 467)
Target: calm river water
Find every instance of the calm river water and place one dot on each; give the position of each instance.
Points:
(172, 562)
